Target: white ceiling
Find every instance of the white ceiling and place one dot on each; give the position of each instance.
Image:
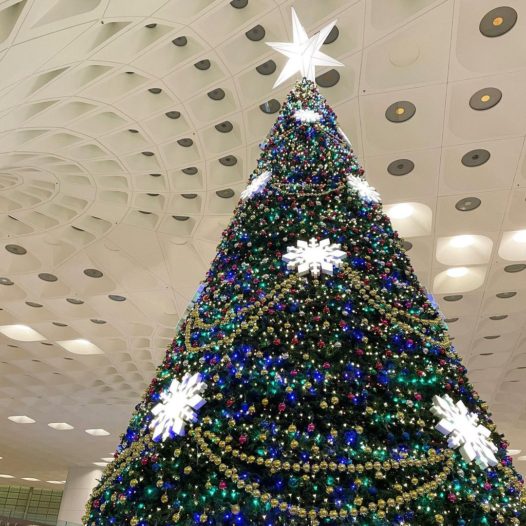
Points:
(76, 189)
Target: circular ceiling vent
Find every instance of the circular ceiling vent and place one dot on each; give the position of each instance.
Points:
(475, 158)
(468, 204)
(328, 79)
(498, 21)
(267, 68)
(400, 111)
(228, 160)
(203, 65)
(485, 98)
(191, 170)
(401, 167)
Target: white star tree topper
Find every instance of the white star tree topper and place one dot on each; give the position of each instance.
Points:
(464, 432)
(314, 257)
(256, 186)
(177, 406)
(304, 53)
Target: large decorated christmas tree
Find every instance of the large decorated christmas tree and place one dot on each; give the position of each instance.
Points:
(313, 381)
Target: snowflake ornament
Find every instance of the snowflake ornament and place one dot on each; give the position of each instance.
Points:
(365, 191)
(256, 186)
(464, 432)
(177, 406)
(308, 116)
(314, 257)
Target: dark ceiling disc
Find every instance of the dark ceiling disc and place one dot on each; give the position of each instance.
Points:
(191, 170)
(46, 276)
(203, 65)
(401, 167)
(74, 301)
(228, 160)
(93, 273)
(499, 317)
(475, 158)
(498, 21)
(16, 249)
(485, 98)
(400, 111)
(256, 34)
(328, 79)
(267, 68)
(185, 143)
(512, 269)
(407, 245)
(173, 114)
(180, 41)
(506, 295)
(181, 218)
(453, 297)
(225, 194)
(224, 127)
(271, 106)
(189, 196)
(216, 94)
(239, 4)
(332, 36)
(468, 204)
(116, 297)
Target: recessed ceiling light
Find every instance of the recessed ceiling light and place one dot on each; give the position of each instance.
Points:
(30, 479)
(239, 4)
(485, 99)
(506, 295)
(97, 432)
(453, 297)
(401, 211)
(185, 143)
(271, 106)
(46, 276)
(400, 111)
(216, 94)
(228, 160)
(520, 236)
(462, 241)
(512, 269)
(407, 245)
(6, 281)
(22, 419)
(16, 249)
(401, 167)
(457, 272)
(34, 304)
(267, 68)
(173, 114)
(498, 317)
(93, 273)
(100, 464)
(4, 476)
(21, 333)
(56, 481)
(80, 346)
(108, 459)
(256, 34)
(148, 154)
(513, 452)
(328, 79)
(224, 127)
(155, 91)
(203, 65)
(61, 426)
(332, 36)
(191, 170)
(225, 194)
(468, 204)
(498, 21)
(116, 297)
(180, 41)
(475, 158)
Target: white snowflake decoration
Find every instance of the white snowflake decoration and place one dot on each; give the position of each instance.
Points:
(464, 432)
(365, 191)
(177, 406)
(256, 186)
(314, 257)
(308, 115)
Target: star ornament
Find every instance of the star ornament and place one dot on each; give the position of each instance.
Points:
(304, 53)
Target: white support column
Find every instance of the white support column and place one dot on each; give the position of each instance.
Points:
(79, 483)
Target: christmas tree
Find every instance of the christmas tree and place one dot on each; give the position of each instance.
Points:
(313, 381)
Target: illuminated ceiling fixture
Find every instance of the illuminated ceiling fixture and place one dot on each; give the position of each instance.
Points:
(30, 479)
(97, 432)
(22, 419)
(520, 236)
(80, 346)
(401, 211)
(457, 272)
(21, 333)
(462, 241)
(60, 426)
(2, 476)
